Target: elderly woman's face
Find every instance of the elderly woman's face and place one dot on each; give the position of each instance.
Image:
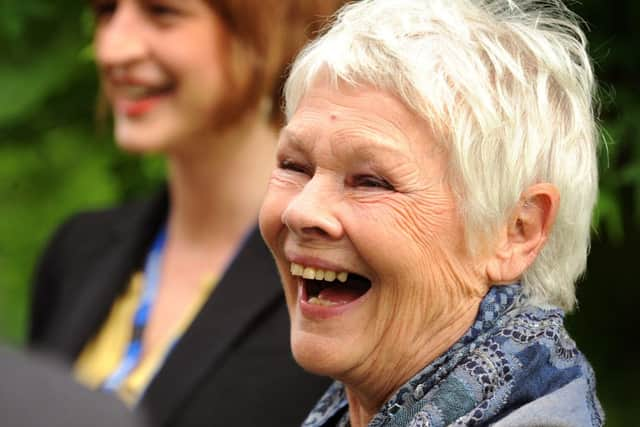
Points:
(360, 188)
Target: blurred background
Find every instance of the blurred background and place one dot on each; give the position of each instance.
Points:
(56, 158)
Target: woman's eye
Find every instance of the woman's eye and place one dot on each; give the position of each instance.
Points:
(370, 181)
(103, 9)
(291, 165)
(161, 10)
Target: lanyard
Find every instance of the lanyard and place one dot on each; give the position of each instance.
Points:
(132, 356)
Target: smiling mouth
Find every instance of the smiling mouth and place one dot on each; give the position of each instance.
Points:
(136, 100)
(330, 288)
(138, 92)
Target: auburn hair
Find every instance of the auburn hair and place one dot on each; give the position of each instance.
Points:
(265, 37)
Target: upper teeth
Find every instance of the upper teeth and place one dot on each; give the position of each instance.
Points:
(139, 91)
(317, 273)
(135, 91)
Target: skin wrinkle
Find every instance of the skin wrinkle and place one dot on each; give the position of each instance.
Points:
(397, 371)
(429, 273)
(508, 57)
(408, 240)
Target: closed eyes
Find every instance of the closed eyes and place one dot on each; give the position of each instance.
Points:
(161, 10)
(103, 8)
(371, 181)
(291, 165)
(158, 9)
(361, 180)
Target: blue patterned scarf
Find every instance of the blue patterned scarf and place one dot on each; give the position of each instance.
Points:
(516, 366)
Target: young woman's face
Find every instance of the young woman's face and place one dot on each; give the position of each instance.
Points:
(162, 65)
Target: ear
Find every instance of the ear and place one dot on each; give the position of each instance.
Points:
(525, 234)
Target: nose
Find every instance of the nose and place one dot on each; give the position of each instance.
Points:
(120, 39)
(311, 214)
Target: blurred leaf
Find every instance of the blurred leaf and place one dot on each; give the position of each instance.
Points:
(39, 189)
(15, 16)
(608, 214)
(25, 89)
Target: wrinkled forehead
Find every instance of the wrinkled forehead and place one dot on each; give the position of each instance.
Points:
(362, 119)
(347, 82)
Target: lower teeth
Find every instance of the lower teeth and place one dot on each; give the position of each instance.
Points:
(318, 301)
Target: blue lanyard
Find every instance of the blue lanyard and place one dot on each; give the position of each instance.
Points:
(132, 356)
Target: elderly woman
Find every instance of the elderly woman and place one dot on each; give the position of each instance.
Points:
(430, 211)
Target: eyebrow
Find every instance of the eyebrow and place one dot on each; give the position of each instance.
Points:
(299, 139)
(365, 147)
(292, 137)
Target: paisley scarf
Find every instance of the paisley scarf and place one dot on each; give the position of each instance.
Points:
(515, 366)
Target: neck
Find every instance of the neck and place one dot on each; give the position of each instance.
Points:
(366, 397)
(216, 183)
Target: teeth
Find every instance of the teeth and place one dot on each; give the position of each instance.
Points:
(138, 91)
(317, 273)
(309, 273)
(319, 301)
(135, 91)
(296, 269)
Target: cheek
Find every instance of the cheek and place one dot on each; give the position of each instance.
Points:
(272, 230)
(269, 219)
(211, 67)
(100, 46)
(279, 194)
(416, 247)
(203, 84)
(434, 237)
(201, 65)
(420, 228)
(428, 220)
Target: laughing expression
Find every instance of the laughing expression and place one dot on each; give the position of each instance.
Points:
(161, 67)
(367, 238)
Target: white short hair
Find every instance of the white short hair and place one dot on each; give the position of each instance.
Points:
(508, 88)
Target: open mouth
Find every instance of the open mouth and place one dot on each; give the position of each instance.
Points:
(138, 92)
(136, 100)
(330, 288)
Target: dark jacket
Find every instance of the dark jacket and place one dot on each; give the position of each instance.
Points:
(233, 365)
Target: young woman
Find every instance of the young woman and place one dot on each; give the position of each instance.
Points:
(173, 303)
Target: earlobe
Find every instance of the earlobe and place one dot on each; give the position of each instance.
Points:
(525, 234)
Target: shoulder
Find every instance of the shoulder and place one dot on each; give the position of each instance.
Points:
(84, 231)
(543, 376)
(568, 406)
(523, 364)
(97, 221)
(81, 244)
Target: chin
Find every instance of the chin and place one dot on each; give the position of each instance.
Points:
(135, 142)
(141, 142)
(316, 354)
(147, 135)
(136, 147)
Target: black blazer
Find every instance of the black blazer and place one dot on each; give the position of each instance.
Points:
(233, 365)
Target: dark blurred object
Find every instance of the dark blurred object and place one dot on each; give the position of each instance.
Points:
(36, 392)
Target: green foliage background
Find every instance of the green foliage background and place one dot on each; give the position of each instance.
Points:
(54, 161)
